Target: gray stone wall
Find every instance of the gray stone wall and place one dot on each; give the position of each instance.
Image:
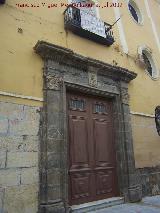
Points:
(150, 180)
(19, 126)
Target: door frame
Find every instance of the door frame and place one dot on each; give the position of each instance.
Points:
(122, 180)
(65, 70)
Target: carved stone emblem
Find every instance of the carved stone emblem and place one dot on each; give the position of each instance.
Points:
(53, 82)
(92, 77)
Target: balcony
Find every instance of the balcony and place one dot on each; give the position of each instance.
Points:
(88, 26)
(2, 1)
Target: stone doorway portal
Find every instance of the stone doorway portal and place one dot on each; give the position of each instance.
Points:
(65, 71)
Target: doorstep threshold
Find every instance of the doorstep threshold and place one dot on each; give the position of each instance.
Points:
(96, 205)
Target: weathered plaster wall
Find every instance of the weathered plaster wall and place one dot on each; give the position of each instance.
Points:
(146, 141)
(19, 126)
(146, 150)
(21, 28)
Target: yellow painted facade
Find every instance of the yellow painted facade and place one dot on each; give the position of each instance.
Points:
(21, 69)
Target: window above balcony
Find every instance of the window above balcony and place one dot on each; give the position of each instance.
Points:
(85, 24)
(135, 12)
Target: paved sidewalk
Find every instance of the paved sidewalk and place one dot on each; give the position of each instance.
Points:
(154, 201)
(148, 205)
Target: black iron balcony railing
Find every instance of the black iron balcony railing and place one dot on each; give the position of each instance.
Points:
(2, 1)
(88, 26)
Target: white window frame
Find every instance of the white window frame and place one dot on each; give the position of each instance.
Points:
(148, 52)
(138, 11)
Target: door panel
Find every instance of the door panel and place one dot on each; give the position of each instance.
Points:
(104, 182)
(92, 171)
(79, 152)
(101, 137)
(81, 186)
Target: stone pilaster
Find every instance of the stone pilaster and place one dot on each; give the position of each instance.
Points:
(51, 150)
(134, 187)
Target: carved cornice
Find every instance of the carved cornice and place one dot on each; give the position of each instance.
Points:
(66, 56)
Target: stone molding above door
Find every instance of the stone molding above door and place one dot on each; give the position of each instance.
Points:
(65, 70)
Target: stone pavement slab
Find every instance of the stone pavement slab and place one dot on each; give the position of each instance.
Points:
(154, 200)
(129, 208)
(148, 205)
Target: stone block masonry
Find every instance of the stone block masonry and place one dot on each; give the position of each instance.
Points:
(19, 144)
(146, 149)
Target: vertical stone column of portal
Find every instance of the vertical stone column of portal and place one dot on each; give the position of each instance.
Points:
(134, 187)
(51, 149)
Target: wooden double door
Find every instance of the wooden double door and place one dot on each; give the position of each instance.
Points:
(92, 168)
